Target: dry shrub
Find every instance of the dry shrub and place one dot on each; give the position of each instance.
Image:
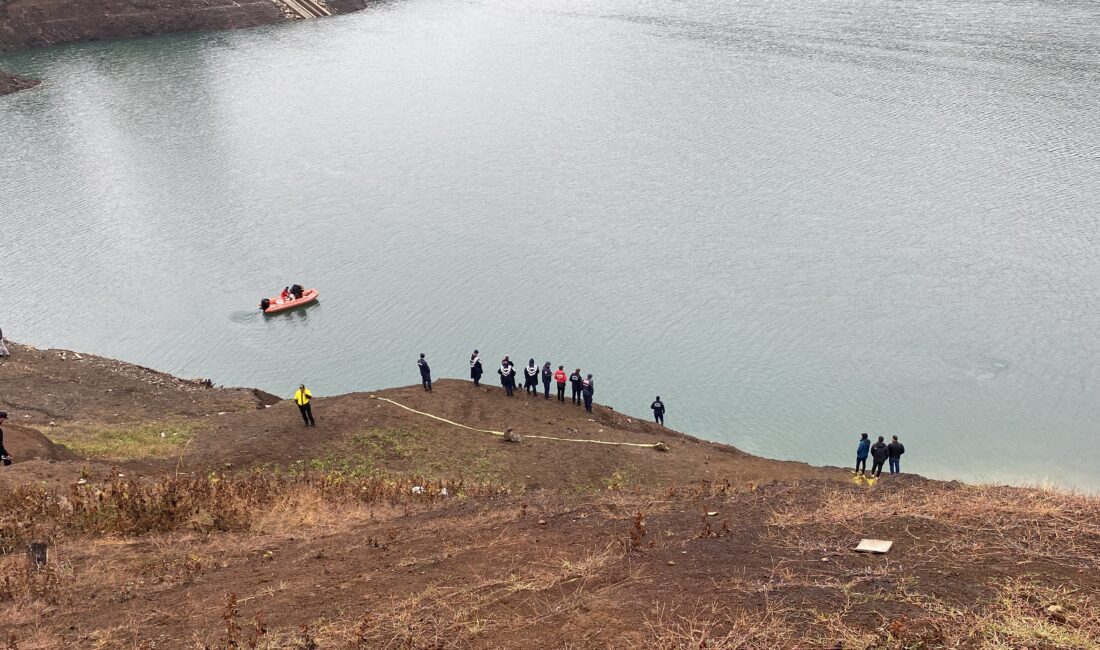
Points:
(717, 628)
(216, 502)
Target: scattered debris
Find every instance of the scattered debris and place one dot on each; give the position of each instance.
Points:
(511, 436)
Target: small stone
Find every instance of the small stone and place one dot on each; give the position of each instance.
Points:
(542, 522)
(671, 563)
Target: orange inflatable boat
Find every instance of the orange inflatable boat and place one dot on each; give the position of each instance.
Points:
(276, 304)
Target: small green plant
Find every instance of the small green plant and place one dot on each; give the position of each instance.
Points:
(620, 479)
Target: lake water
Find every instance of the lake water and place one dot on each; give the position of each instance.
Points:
(793, 221)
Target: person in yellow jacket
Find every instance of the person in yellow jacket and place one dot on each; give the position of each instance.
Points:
(302, 396)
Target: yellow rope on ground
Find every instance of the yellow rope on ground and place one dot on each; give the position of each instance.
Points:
(655, 445)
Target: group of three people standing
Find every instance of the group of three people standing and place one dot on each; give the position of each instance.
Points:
(879, 452)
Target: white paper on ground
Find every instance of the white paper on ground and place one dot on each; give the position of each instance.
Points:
(874, 546)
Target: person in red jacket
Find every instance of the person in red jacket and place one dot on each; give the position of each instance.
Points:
(560, 377)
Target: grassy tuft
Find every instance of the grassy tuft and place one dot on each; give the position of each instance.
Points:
(126, 441)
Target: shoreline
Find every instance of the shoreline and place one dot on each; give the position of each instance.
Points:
(33, 24)
(176, 497)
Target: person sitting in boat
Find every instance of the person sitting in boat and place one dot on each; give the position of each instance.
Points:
(296, 291)
(285, 295)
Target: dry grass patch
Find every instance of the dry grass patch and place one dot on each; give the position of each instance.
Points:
(126, 441)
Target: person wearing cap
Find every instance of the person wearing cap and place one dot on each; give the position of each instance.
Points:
(575, 381)
(658, 411)
(425, 373)
(302, 398)
(547, 375)
(4, 455)
(560, 378)
(588, 387)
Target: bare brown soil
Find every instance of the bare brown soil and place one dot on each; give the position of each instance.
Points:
(380, 528)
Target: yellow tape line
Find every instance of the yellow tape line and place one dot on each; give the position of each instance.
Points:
(655, 445)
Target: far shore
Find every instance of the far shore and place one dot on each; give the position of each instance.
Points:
(27, 24)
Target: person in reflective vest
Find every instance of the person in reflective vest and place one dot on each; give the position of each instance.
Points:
(302, 398)
(560, 379)
(507, 374)
(531, 378)
(475, 368)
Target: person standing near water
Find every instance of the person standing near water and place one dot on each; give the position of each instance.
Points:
(4, 455)
(588, 387)
(575, 380)
(531, 378)
(425, 373)
(894, 450)
(560, 378)
(861, 453)
(878, 456)
(658, 411)
(507, 374)
(3, 348)
(475, 368)
(302, 397)
(547, 375)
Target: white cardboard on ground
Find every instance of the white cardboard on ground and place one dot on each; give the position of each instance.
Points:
(874, 546)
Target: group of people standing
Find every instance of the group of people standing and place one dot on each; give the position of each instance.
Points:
(880, 452)
(583, 386)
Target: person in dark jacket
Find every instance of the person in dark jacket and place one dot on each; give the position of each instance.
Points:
(878, 456)
(507, 374)
(531, 378)
(588, 387)
(575, 381)
(4, 455)
(861, 453)
(560, 379)
(894, 450)
(475, 368)
(425, 373)
(547, 375)
(658, 411)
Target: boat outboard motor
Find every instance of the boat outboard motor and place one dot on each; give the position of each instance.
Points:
(264, 304)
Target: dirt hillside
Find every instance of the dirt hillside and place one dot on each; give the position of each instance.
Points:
(202, 517)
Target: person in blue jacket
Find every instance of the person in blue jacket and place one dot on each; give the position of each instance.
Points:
(861, 453)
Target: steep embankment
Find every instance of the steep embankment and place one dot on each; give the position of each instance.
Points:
(116, 412)
(212, 518)
(40, 23)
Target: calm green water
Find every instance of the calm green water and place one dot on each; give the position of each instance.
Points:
(794, 221)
